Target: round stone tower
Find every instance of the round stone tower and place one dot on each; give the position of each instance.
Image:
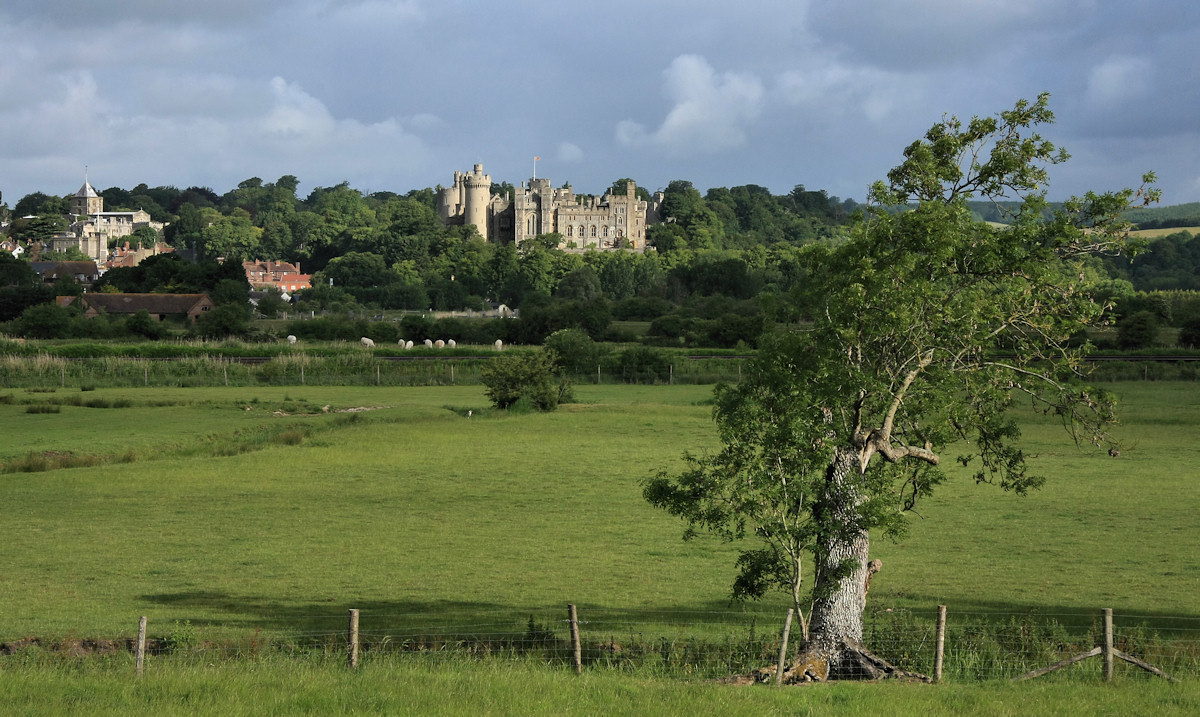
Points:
(478, 193)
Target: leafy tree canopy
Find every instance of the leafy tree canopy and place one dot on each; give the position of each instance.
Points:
(921, 332)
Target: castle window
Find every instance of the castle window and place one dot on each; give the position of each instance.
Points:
(593, 232)
(606, 231)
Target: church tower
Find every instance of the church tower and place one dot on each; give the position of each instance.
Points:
(86, 201)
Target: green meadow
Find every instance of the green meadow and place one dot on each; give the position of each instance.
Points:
(238, 518)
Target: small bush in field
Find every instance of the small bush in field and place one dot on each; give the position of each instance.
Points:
(528, 376)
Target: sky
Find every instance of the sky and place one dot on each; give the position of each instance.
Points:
(393, 95)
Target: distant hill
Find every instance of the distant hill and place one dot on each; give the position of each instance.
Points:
(1178, 215)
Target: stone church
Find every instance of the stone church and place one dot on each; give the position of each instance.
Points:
(92, 228)
(601, 223)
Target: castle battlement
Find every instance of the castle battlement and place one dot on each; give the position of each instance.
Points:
(599, 223)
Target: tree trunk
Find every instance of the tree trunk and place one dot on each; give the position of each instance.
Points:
(834, 649)
(835, 635)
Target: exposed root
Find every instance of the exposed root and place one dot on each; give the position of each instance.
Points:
(854, 663)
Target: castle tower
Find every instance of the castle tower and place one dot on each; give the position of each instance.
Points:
(86, 201)
(477, 191)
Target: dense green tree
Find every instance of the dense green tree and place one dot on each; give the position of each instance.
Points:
(1137, 331)
(198, 197)
(185, 232)
(530, 376)
(1189, 333)
(580, 285)
(276, 240)
(38, 228)
(20, 287)
(271, 304)
(229, 238)
(38, 203)
(642, 364)
(44, 321)
(574, 351)
(16, 273)
(221, 322)
(923, 330)
(355, 269)
(141, 324)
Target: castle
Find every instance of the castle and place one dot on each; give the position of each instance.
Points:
(610, 222)
(92, 228)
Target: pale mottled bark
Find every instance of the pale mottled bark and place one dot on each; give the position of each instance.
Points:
(837, 613)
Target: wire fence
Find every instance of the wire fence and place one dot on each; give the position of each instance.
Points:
(978, 646)
(51, 372)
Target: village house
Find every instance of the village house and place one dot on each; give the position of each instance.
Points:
(12, 247)
(123, 256)
(282, 275)
(85, 272)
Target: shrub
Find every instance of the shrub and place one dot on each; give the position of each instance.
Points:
(574, 350)
(1189, 335)
(531, 376)
(1137, 331)
(642, 364)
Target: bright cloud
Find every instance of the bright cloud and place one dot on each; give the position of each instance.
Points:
(710, 111)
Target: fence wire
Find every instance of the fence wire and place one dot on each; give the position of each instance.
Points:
(682, 644)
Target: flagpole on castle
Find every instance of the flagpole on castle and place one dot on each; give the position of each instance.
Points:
(535, 161)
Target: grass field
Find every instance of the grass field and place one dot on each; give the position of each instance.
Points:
(238, 514)
(1157, 233)
(516, 688)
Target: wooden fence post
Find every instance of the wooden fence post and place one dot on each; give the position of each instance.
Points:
(576, 647)
(939, 655)
(1106, 613)
(352, 640)
(301, 374)
(783, 645)
(140, 661)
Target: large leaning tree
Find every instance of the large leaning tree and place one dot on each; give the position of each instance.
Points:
(918, 334)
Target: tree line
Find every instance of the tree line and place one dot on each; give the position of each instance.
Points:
(718, 257)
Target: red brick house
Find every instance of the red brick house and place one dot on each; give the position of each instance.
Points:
(282, 275)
